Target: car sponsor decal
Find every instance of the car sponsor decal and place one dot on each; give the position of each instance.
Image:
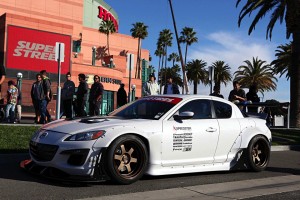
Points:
(173, 100)
(182, 139)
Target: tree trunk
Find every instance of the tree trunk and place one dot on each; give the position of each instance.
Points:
(140, 54)
(108, 44)
(295, 81)
(137, 60)
(195, 87)
(185, 54)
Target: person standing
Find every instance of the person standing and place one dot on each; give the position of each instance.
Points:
(216, 92)
(68, 91)
(48, 97)
(253, 97)
(95, 97)
(237, 95)
(81, 96)
(2, 77)
(121, 96)
(37, 95)
(12, 98)
(151, 87)
(170, 87)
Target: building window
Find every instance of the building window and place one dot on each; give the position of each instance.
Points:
(77, 46)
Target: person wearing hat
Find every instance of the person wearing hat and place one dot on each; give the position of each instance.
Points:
(170, 87)
(12, 98)
(216, 92)
(81, 96)
(151, 87)
(121, 96)
(237, 95)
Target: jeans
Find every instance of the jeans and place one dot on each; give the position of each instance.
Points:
(10, 112)
(43, 109)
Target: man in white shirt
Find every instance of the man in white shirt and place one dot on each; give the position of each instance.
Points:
(151, 87)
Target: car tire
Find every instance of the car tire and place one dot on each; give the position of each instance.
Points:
(127, 159)
(258, 153)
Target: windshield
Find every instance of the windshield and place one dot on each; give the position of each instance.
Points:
(151, 107)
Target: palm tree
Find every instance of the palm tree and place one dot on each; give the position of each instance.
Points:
(139, 31)
(174, 57)
(196, 72)
(173, 72)
(283, 63)
(165, 41)
(107, 27)
(221, 73)
(259, 73)
(159, 52)
(287, 10)
(188, 36)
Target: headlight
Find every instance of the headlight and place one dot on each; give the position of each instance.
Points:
(84, 136)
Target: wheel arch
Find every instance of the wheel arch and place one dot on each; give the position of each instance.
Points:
(246, 138)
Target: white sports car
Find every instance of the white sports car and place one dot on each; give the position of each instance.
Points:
(156, 135)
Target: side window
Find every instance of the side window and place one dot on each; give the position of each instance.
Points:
(222, 110)
(201, 109)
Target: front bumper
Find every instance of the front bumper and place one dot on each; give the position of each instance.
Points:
(88, 172)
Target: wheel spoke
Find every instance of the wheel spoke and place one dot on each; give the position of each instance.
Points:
(257, 158)
(133, 160)
(123, 149)
(118, 157)
(128, 167)
(121, 166)
(259, 152)
(130, 151)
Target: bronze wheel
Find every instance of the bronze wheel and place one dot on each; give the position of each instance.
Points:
(258, 153)
(127, 159)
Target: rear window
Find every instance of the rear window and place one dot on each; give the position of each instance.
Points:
(222, 110)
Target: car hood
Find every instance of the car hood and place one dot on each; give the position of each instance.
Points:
(92, 123)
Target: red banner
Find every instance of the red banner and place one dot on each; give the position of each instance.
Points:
(34, 50)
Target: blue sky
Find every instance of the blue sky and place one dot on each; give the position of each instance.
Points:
(219, 37)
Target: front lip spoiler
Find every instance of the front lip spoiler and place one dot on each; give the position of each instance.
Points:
(55, 174)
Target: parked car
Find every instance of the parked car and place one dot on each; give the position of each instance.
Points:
(155, 135)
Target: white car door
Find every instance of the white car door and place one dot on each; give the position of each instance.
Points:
(190, 141)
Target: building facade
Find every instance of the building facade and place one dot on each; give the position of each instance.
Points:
(30, 29)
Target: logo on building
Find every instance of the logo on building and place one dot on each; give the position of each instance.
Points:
(106, 15)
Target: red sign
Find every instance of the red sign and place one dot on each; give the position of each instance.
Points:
(105, 15)
(34, 50)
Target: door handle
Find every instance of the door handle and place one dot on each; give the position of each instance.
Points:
(211, 129)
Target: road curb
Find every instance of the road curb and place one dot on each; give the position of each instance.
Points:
(285, 148)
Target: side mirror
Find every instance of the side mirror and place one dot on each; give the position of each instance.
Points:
(184, 115)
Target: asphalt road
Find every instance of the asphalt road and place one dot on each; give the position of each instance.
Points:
(17, 184)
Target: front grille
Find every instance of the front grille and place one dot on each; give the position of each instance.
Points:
(42, 152)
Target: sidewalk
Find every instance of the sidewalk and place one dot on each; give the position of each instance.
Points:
(219, 191)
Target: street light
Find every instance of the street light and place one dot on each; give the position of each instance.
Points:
(133, 92)
(93, 55)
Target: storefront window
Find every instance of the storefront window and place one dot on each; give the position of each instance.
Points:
(107, 102)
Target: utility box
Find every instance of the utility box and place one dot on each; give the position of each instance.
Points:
(278, 120)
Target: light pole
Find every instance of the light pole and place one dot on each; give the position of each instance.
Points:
(111, 60)
(19, 80)
(133, 92)
(93, 55)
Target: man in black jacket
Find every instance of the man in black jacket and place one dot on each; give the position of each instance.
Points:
(67, 93)
(95, 97)
(81, 95)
